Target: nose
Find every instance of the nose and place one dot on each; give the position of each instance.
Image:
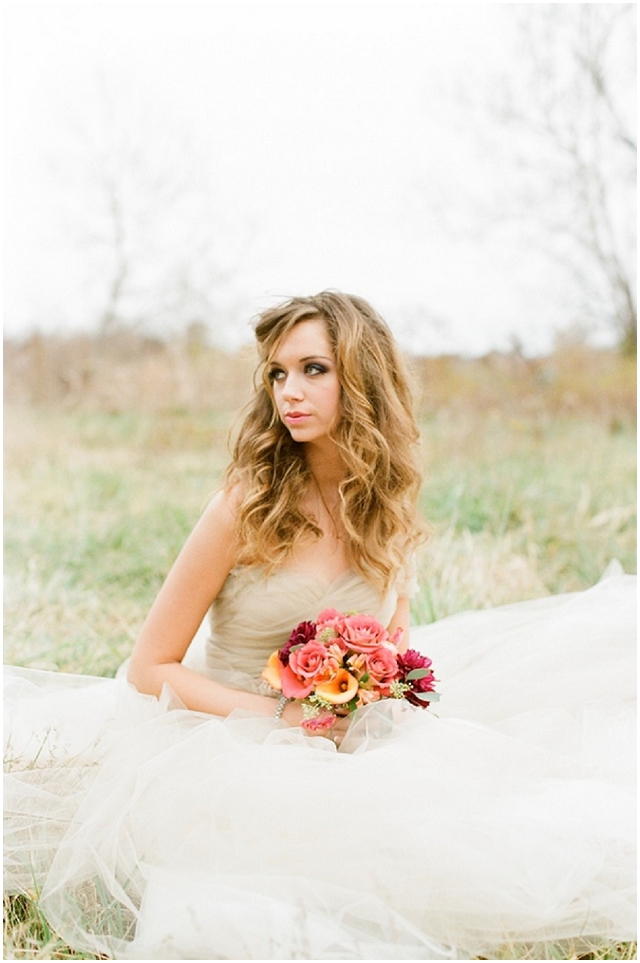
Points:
(292, 387)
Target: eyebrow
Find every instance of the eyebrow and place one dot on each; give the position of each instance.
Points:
(310, 357)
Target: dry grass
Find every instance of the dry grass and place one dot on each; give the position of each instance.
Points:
(578, 949)
(28, 936)
(522, 508)
(126, 371)
(98, 505)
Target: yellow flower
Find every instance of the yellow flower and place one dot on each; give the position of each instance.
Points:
(271, 672)
(340, 689)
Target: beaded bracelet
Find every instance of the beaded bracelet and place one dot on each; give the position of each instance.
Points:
(282, 701)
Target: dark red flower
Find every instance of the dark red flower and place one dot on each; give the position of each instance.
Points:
(408, 663)
(302, 634)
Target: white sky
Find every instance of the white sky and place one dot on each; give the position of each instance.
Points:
(303, 144)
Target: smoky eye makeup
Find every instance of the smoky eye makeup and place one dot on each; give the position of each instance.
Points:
(275, 372)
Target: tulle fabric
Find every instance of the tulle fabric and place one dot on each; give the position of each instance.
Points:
(508, 814)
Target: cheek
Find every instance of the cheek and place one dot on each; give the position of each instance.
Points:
(336, 400)
(276, 396)
(276, 404)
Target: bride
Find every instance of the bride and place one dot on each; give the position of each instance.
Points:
(181, 811)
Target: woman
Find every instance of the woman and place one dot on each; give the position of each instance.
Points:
(219, 829)
(323, 484)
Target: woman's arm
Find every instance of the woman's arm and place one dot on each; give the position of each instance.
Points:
(191, 586)
(400, 620)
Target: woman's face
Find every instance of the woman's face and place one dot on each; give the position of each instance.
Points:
(304, 380)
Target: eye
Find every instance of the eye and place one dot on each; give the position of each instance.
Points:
(315, 369)
(276, 374)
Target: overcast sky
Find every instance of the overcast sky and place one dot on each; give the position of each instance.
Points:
(271, 149)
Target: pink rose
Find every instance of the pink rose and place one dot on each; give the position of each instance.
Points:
(308, 661)
(328, 617)
(361, 633)
(326, 624)
(382, 666)
(308, 666)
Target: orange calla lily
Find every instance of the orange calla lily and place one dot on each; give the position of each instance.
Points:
(271, 672)
(342, 688)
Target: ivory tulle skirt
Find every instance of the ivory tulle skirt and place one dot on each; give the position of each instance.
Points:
(508, 814)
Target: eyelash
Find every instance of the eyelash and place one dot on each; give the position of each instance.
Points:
(318, 369)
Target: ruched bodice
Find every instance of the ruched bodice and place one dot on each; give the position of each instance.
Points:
(255, 613)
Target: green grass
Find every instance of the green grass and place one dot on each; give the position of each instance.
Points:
(28, 936)
(98, 505)
(522, 508)
(96, 509)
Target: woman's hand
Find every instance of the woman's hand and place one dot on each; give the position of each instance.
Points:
(340, 728)
(293, 715)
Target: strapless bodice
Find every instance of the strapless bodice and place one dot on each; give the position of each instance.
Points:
(254, 614)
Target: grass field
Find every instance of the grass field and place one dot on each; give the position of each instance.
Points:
(97, 505)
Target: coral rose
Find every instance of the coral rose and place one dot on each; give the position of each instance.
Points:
(328, 617)
(308, 665)
(361, 633)
(312, 661)
(382, 666)
(342, 688)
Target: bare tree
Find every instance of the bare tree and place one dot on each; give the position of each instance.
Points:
(146, 223)
(116, 283)
(569, 111)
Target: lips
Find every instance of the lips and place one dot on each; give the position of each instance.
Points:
(295, 417)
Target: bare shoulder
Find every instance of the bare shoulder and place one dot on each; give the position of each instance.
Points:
(195, 579)
(217, 524)
(207, 556)
(223, 508)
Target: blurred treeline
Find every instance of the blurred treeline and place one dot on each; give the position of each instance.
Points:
(128, 371)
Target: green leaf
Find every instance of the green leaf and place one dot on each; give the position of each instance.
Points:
(418, 673)
(428, 696)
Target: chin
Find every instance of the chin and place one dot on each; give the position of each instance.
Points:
(307, 435)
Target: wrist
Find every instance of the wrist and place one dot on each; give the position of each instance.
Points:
(292, 713)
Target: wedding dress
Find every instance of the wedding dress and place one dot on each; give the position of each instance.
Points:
(505, 814)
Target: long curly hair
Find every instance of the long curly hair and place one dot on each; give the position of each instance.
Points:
(376, 436)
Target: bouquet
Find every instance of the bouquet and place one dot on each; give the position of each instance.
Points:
(341, 662)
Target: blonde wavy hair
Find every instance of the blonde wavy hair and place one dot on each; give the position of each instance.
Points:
(376, 436)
